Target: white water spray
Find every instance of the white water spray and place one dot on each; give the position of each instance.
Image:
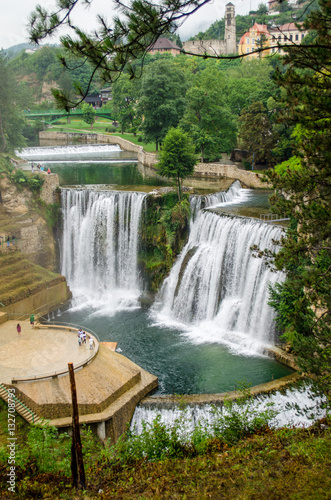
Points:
(57, 152)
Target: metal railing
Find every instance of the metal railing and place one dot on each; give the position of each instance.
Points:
(57, 373)
(270, 217)
(19, 402)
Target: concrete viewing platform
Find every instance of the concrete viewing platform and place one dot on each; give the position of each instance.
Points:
(35, 363)
(35, 353)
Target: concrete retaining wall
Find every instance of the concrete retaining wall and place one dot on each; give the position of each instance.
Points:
(42, 302)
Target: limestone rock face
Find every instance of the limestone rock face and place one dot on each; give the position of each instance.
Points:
(13, 201)
(20, 217)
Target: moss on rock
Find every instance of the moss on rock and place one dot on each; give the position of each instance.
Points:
(164, 232)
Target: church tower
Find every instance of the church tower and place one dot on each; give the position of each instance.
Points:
(230, 29)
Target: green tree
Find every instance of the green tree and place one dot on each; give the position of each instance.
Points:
(125, 102)
(11, 118)
(207, 119)
(247, 83)
(162, 99)
(177, 159)
(88, 114)
(256, 135)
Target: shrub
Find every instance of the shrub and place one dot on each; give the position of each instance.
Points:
(21, 179)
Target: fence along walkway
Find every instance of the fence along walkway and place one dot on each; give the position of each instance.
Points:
(70, 327)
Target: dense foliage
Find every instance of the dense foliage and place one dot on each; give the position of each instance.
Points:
(162, 99)
(11, 123)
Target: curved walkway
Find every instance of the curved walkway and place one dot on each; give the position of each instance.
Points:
(37, 352)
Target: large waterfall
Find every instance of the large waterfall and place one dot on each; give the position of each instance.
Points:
(100, 245)
(216, 290)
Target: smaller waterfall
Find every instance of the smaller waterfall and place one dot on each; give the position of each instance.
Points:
(216, 290)
(100, 245)
(235, 193)
(57, 152)
(298, 407)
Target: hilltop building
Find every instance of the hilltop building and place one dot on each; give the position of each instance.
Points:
(259, 36)
(256, 37)
(217, 47)
(164, 45)
(286, 34)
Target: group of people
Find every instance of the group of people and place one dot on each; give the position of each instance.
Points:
(40, 167)
(82, 337)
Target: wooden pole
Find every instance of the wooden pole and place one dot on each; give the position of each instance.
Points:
(76, 447)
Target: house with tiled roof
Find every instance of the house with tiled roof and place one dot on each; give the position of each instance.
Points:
(289, 33)
(253, 39)
(164, 45)
(259, 35)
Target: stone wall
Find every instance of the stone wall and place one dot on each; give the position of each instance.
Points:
(212, 47)
(247, 178)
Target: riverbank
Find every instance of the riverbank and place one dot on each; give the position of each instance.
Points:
(202, 170)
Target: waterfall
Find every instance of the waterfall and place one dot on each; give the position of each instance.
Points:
(216, 290)
(235, 194)
(100, 244)
(57, 152)
(296, 406)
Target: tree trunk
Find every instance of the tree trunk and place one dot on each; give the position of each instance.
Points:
(3, 136)
(76, 446)
(179, 188)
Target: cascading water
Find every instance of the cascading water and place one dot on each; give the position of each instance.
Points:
(99, 246)
(296, 406)
(233, 194)
(57, 152)
(216, 290)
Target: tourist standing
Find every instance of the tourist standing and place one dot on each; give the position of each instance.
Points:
(91, 342)
(19, 329)
(32, 320)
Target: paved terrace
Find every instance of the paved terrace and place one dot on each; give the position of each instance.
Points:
(37, 352)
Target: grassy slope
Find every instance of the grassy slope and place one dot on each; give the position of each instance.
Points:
(19, 274)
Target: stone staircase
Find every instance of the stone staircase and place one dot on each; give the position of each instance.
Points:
(20, 408)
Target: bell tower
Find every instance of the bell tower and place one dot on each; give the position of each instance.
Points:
(230, 29)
